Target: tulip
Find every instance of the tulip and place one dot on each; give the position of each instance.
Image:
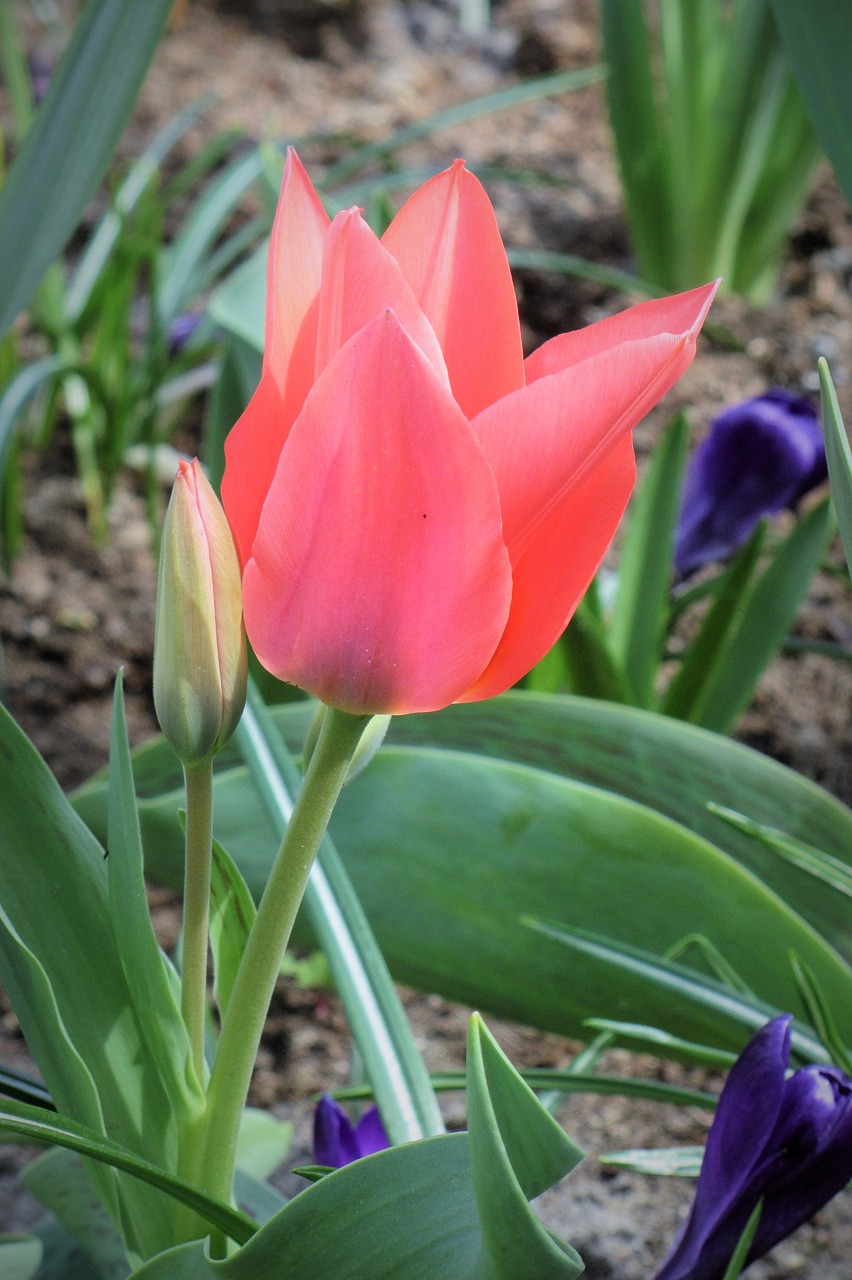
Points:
(417, 509)
(337, 1141)
(787, 1142)
(759, 457)
(199, 644)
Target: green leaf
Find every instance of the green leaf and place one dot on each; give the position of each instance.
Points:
(689, 693)
(822, 866)
(232, 913)
(816, 41)
(151, 990)
(664, 1162)
(71, 141)
(64, 1258)
(738, 1258)
(263, 1142)
(59, 1179)
(639, 614)
(20, 1257)
(820, 1015)
(46, 1127)
(593, 670)
(653, 1040)
(446, 1208)
(837, 451)
(772, 604)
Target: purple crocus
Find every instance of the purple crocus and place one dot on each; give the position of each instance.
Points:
(759, 457)
(787, 1141)
(337, 1141)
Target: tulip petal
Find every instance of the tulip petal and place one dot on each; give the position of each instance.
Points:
(360, 280)
(682, 313)
(378, 581)
(555, 569)
(447, 242)
(294, 275)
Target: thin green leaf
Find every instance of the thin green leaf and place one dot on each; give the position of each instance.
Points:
(771, 606)
(637, 629)
(232, 913)
(592, 668)
(837, 450)
(819, 1013)
(659, 1162)
(24, 1088)
(688, 695)
(738, 1258)
(61, 1131)
(151, 990)
(90, 97)
(653, 1039)
(716, 963)
(822, 866)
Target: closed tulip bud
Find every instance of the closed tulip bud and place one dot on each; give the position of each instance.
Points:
(199, 647)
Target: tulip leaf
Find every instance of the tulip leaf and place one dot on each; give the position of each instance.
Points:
(452, 1207)
(232, 913)
(20, 1257)
(263, 1143)
(146, 969)
(639, 614)
(592, 668)
(660, 1162)
(59, 1180)
(42, 1126)
(72, 139)
(837, 451)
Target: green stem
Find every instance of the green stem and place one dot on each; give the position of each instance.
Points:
(261, 962)
(196, 907)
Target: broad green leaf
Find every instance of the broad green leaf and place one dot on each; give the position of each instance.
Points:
(59, 1179)
(20, 1257)
(144, 964)
(816, 41)
(445, 1208)
(232, 913)
(57, 1130)
(263, 1142)
(665, 1162)
(71, 140)
(64, 1258)
(665, 764)
(639, 614)
(837, 450)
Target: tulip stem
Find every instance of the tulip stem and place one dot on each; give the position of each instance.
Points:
(196, 907)
(261, 962)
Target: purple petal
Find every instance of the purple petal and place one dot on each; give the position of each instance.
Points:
(334, 1135)
(370, 1133)
(758, 457)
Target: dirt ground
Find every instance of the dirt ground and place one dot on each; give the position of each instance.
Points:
(70, 614)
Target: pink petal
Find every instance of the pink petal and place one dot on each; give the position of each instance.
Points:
(379, 580)
(294, 275)
(360, 280)
(555, 570)
(683, 313)
(446, 240)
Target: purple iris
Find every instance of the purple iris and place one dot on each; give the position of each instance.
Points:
(785, 1141)
(337, 1141)
(759, 457)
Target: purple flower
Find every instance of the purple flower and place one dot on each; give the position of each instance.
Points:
(337, 1141)
(181, 330)
(787, 1141)
(759, 457)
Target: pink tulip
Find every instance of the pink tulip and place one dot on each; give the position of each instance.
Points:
(418, 509)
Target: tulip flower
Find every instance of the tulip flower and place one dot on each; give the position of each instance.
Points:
(417, 509)
(759, 457)
(787, 1142)
(337, 1141)
(199, 645)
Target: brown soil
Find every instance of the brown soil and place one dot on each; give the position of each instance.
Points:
(70, 614)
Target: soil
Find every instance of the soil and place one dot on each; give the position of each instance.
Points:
(71, 613)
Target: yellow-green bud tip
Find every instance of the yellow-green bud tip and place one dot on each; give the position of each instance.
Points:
(199, 644)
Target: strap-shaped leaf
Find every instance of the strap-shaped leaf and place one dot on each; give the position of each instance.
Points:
(74, 134)
(837, 452)
(232, 913)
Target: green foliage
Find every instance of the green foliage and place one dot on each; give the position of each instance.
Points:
(716, 151)
(839, 457)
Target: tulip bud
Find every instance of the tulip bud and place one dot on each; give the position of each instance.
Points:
(199, 646)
